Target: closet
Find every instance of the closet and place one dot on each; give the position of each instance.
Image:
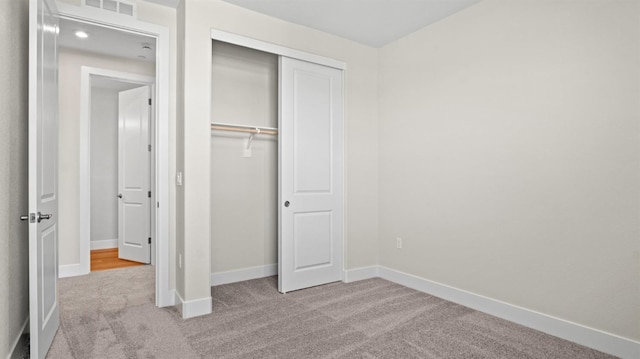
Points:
(277, 164)
(244, 181)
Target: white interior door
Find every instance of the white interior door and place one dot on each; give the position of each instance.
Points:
(43, 175)
(311, 175)
(134, 153)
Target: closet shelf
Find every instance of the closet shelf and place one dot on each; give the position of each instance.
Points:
(242, 128)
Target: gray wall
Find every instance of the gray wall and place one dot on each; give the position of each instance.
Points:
(14, 237)
(244, 190)
(509, 157)
(104, 164)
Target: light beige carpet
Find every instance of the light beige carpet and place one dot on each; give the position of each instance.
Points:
(111, 314)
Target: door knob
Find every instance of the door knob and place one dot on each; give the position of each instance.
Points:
(119, 195)
(286, 203)
(43, 216)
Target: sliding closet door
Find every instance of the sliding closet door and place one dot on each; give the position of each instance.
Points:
(311, 175)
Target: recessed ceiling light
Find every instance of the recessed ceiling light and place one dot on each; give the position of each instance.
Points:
(81, 34)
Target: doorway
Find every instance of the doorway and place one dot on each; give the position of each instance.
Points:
(114, 143)
(120, 154)
(159, 136)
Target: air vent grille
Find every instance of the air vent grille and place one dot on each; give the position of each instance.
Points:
(115, 6)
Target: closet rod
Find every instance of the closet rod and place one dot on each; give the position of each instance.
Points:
(242, 128)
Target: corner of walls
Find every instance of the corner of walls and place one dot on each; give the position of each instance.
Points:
(194, 152)
(193, 308)
(362, 183)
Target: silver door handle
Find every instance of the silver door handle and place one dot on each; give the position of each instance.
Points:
(286, 203)
(119, 195)
(41, 216)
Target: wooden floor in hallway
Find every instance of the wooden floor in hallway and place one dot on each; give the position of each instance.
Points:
(103, 259)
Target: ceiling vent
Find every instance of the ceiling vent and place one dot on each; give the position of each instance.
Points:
(115, 6)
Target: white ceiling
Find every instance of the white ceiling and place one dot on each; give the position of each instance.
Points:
(370, 22)
(106, 41)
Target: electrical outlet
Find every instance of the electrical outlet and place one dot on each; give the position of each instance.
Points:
(399, 243)
(180, 261)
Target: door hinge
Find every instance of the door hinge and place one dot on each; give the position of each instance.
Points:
(149, 240)
(149, 102)
(149, 147)
(149, 194)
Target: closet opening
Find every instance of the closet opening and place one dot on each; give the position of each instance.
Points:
(244, 162)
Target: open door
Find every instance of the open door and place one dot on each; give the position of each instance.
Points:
(43, 175)
(134, 184)
(311, 175)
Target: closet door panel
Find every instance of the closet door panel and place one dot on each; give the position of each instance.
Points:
(312, 137)
(311, 175)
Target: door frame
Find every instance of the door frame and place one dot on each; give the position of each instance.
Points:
(164, 295)
(251, 43)
(87, 74)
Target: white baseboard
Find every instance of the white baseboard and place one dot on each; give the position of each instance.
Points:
(240, 275)
(577, 333)
(104, 244)
(193, 308)
(354, 275)
(168, 299)
(70, 270)
(13, 354)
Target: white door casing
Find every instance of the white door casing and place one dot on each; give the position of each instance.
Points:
(311, 175)
(43, 174)
(134, 212)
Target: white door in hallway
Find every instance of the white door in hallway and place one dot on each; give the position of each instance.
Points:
(311, 175)
(134, 184)
(43, 174)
